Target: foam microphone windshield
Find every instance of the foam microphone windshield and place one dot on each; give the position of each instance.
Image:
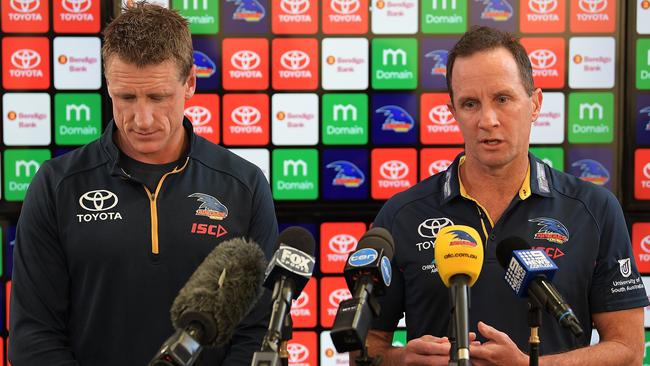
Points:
(224, 287)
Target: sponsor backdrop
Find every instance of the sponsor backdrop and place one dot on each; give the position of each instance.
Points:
(341, 103)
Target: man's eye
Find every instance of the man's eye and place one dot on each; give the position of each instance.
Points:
(502, 99)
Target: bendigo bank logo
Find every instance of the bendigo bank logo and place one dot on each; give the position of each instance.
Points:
(98, 202)
(497, 10)
(248, 10)
(347, 174)
(397, 119)
(205, 67)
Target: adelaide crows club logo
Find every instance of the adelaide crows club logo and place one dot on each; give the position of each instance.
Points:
(592, 171)
(552, 230)
(210, 207)
(347, 174)
(439, 58)
(497, 10)
(397, 119)
(248, 10)
(205, 67)
(462, 238)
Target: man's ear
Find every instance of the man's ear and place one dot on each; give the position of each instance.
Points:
(190, 83)
(536, 100)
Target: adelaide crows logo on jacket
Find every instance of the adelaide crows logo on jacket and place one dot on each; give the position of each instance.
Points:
(210, 207)
(551, 230)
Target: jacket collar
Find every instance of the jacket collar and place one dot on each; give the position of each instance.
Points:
(537, 180)
(113, 151)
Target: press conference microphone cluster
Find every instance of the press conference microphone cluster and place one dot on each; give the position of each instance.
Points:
(216, 298)
(367, 272)
(528, 274)
(459, 258)
(287, 275)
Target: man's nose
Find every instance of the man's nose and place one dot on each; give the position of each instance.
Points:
(488, 118)
(143, 115)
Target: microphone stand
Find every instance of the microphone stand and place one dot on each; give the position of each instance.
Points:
(365, 360)
(453, 350)
(461, 313)
(534, 322)
(287, 334)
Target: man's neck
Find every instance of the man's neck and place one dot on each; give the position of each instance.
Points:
(502, 181)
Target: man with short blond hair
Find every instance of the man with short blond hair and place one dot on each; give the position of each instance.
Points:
(105, 238)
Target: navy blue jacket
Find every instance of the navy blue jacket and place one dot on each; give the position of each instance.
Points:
(99, 258)
(579, 224)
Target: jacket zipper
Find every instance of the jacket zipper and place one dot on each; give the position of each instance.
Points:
(153, 206)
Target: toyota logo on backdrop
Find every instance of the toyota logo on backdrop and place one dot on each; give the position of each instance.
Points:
(76, 6)
(542, 6)
(198, 115)
(542, 59)
(345, 7)
(646, 170)
(645, 244)
(25, 59)
(98, 200)
(294, 6)
(245, 60)
(297, 352)
(342, 243)
(339, 295)
(439, 166)
(430, 228)
(24, 6)
(592, 6)
(245, 115)
(441, 115)
(301, 301)
(394, 170)
(294, 60)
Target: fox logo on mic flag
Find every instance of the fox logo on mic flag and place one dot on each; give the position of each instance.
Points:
(459, 250)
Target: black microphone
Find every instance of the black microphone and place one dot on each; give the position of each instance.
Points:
(216, 298)
(367, 272)
(287, 274)
(526, 274)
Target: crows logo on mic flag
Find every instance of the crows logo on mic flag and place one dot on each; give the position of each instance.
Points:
(210, 207)
(462, 238)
